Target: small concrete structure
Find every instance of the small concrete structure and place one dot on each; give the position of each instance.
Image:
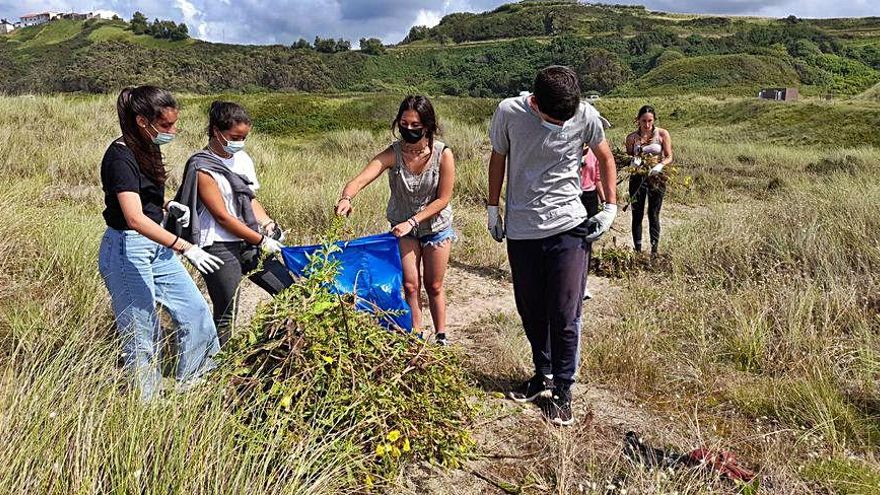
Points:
(6, 27)
(779, 94)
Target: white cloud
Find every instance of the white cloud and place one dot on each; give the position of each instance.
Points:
(284, 21)
(428, 18)
(106, 14)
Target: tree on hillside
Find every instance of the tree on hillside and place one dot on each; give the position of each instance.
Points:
(181, 33)
(302, 44)
(372, 46)
(330, 45)
(139, 24)
(602, 70)
(417, 33)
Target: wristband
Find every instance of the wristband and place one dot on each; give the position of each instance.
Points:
(412, 221)
(171, 246)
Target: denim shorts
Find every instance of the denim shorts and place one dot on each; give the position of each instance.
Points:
(437, 238)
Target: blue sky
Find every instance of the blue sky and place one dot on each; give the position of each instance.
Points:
(285, 21)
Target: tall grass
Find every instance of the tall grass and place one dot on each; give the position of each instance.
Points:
(765, 310)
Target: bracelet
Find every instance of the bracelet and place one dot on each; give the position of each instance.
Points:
(171, 246)
(267, 222)
(344, 198)
(412, 221)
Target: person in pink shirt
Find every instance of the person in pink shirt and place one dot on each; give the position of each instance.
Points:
(592, 196)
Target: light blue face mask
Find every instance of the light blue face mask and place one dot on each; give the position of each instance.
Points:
(232, 147)
(551, 126)
(162, 138)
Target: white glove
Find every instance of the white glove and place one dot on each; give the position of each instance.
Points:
(179, 212)
(271, 245)
(276, 232)
(204, 262)
(495, 224)
(636, 161)
(601, 222)
(656, 169)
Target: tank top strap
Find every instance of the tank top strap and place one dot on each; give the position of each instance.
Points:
(437, 154)
(398, 155)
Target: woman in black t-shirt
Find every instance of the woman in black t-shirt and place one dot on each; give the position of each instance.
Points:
(136, 259)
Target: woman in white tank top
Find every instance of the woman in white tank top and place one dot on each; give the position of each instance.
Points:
(651, 147)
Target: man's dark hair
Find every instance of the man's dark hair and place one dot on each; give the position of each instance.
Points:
(557, 92)
(225, 114)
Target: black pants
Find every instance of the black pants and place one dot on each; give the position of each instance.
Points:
(641, 192)
(238, 259)
(548, 284)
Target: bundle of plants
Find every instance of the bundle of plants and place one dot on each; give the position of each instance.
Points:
(310, 364)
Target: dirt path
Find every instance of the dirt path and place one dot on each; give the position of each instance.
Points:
(515, 441)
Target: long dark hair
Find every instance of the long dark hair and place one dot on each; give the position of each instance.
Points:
(422, 105)
(149, 102)
(642, 111)
(225, 114)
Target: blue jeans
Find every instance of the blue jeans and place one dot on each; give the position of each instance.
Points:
(437, 238)
(140, 276)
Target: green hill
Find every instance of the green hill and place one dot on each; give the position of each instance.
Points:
(873, 93)
(615, 49)
(740, 75)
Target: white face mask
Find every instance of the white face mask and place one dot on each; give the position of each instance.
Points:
(551, 126)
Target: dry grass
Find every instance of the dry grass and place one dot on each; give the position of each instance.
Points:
(760, 333)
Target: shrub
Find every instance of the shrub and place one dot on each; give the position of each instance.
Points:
(311, 365)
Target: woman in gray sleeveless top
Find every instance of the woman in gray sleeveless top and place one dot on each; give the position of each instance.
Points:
(650, 147)
(421, 174)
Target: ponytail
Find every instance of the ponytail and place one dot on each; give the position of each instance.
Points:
(149, 102)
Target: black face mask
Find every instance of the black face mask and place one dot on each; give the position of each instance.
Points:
(411, 136)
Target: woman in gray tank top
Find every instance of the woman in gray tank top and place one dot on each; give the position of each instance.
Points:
(651, 147)
(421, 174)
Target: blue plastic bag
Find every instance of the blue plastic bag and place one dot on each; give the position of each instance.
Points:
(369, 266)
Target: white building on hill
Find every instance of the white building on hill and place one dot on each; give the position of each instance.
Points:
(36, 19)
(6, 27)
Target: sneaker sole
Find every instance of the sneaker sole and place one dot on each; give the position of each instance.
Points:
(522, 400)
(559, 422)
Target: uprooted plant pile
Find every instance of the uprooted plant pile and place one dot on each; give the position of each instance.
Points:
(309, 364)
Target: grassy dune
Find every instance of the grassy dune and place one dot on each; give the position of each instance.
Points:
(758, 330)
(713, 74)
